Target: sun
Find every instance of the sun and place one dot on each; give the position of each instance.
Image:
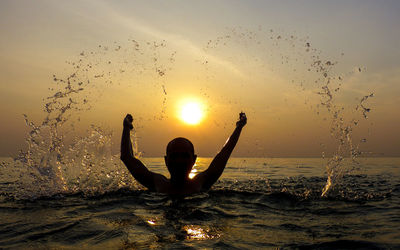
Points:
(191, 113)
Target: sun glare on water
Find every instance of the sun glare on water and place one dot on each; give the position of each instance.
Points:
(191, 113)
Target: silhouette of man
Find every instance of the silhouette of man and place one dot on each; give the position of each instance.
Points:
(179, 160)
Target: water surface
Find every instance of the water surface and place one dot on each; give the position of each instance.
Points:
(258, 203)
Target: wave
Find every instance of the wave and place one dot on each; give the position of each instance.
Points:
(356, 188)
(343, 244)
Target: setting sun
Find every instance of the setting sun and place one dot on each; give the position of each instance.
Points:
(191, 113)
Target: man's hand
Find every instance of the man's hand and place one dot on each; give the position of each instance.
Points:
(242, 120)
(128, 121)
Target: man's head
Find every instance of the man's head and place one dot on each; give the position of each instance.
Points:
(180, 158)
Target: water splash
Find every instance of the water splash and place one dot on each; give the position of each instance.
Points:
(60, 161)
(308, 69)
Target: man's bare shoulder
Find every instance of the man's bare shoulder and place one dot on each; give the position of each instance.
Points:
(159, 178)
(199, 180)
(161, 183)
(204, 180)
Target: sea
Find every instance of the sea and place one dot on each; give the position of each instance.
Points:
(67, 190)
(258, 203)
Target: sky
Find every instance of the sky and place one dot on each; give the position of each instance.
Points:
(148, 57)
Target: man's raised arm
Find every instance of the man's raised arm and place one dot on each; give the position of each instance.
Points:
(217, 166)
(135, 166)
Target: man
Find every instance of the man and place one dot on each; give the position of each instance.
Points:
(179, 159)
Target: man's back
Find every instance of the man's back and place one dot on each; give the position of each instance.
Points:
(164, 185)
(179, 160)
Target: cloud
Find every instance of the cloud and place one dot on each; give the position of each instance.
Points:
(177, 40)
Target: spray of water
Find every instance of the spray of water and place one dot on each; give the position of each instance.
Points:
(58, 161)
(307, 67)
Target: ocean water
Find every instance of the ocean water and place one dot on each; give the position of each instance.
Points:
(67, 189)
(257, 203)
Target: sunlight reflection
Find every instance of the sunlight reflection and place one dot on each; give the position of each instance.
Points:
(195, 232)
(151, 222)
(193, 173)
(198, 233)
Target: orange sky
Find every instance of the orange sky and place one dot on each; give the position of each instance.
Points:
(231, 56)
